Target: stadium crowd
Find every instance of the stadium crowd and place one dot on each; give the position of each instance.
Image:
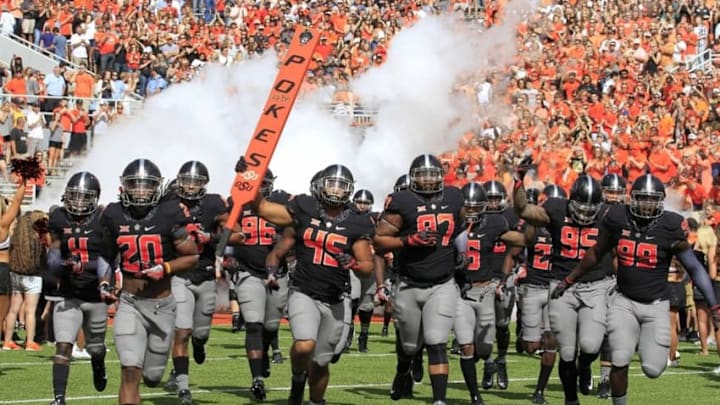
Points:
(623, 87)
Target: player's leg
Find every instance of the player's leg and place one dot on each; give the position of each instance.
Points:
(329, 335)
(185, 299)
(252, 296)
(485, 331)
(130, 337)
(205, 294)
(503, 311)
(365, 311)
(654, 345)
(388, 311)
(67, 320)
(438, 314)
(623, 335)
(159, 314)
(276, 303)
(592, 326)
(536, 334)
(464, 326)
(305, 318)
(408, 316)
(95, 326)
(563, 322)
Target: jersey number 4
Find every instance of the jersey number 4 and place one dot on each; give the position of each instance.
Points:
(432, 223)
(575, 241)
(325, 245)
(258, 231)
(641, 255)
(78, 247)
(140, 252)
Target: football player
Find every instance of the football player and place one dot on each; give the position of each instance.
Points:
(420, 225)
(366, 287)
(475, 317)
(614, 191)
(73, 261)
(332, 239)
(577, 319)
(497, 206)
(153, 244)
(195, 290)
(646, 238)
(261, 302)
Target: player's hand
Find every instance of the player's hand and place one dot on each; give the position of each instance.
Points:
(461, 262)
(155, 272)
(272, 282)
(346, 261)
(501, 291)
(107, 294)
(559, 290)
(75, 264)
(420, 239)
(241, 166)
(715, 311)
(522, 168)
(381, 295)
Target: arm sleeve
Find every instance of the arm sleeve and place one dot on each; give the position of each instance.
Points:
(698, 274)
(102, 268)
(461, 242)
(54, 261)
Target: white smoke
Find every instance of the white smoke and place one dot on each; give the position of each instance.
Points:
(212, 118)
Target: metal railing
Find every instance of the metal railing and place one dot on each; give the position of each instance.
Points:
(702, 61)
(131, 105)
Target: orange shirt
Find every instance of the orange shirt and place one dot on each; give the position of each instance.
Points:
(84, 84)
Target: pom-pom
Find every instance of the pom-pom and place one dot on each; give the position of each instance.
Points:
(28, 169)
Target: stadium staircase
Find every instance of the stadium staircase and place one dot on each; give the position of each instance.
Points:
(12, 46)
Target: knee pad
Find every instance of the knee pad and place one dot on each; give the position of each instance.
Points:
(63, 350)
(548, 342)
(96, 350)
(652, 370)
(150, 383)
(437, 354)
(567, 353)
(589, 344)
(254, 336)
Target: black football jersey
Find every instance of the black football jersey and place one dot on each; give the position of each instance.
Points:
(145, 242)
(539, 255)
(483, 242)
(496, 258)
(434, 264)
(83, 240)
(570, 241)
(260, 236)
(204, 212)
(643, 257)
(319, 238)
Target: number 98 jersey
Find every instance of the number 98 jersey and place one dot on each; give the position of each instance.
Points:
(317, 273)
(644, 257)
(82, 240)
(435, 264)
(144, 242)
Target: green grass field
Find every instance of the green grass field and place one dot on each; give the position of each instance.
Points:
(26, 378)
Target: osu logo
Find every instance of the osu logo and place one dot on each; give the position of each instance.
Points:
(250, 175)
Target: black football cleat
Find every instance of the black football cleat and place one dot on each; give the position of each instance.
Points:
(384, 331)
(171, 384)
(99, 376)
(184, 397)
(539, 399)
(502, 377)
(477, 400)
(266, 365)
(362, 342)
(59, 400)
(401, 387)
(489, 370)
(585, 380)
(258, 389)
(277, 357)
(198, 351)
(604, 389)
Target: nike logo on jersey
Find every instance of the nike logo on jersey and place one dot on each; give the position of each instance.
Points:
(480, 235)
(442, 207)
(647, 237)
(88, 232)
(340, 228)
(149, 228)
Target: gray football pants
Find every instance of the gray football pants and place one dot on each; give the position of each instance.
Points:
(318, 321)
(71, 314)
(475, 319)
(259, 303)
(195, 306)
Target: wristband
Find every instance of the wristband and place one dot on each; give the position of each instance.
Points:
(167, 267)
(103, 284)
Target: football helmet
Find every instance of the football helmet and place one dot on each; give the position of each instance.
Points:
(614, 188)
(363, 200)
(141, 184)
(336, 185)
(82, 193)
(315, 183)
(496, 196)
(266, 188)
(585, 200)
(426, 175)
(647, 197)
(402, 183)
(192, 179)
(533, 195)
(475, 201)
(554, 191)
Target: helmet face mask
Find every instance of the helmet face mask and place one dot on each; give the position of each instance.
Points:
(141, 191)
(474, 211)
(496, 203)
(81, 194)
(475, 202)
(335, 186)
(426, 180)
(584, 213)
(402, 183)
(191, 186)
(647, 205)
(363, 205)
(614, 196)
(363, 200)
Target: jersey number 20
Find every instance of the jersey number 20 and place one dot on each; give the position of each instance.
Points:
(140, 252)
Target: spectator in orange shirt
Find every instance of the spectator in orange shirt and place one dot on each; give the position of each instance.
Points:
(695, 194)
(17, 85)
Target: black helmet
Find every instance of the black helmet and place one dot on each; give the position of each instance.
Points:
(192, 178)
(496, 195)
(82, 193)
(336, 185)
(402, 183)
(554, 191)
(266, 188)
(141, 184)
(475, 201)
(426, 175)
(614, 188)
(363, 200)
(647, 197)
(533, 195)
(315, 183)
(585, 200)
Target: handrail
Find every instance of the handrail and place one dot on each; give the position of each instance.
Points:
(701, 61)
(136, 104)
